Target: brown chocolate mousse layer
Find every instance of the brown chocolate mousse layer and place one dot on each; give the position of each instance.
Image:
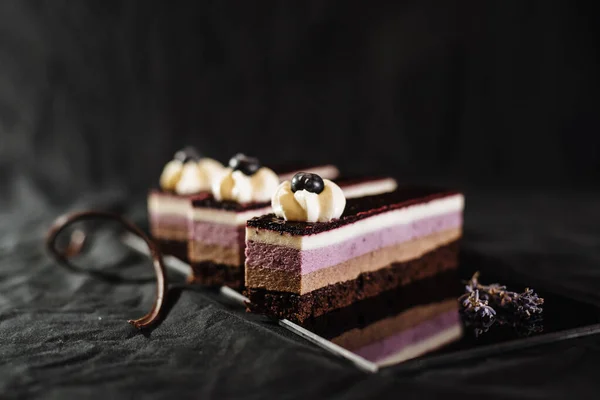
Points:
(212, 274)
(169, 233)
(299, 308)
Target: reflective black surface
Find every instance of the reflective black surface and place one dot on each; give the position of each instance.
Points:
(561, 315)
(422, 320)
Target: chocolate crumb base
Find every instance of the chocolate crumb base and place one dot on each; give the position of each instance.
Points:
(212, 274)
(175, 248)
(356, 209)
(299, 308)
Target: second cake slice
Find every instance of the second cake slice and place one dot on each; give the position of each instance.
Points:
(298, 269)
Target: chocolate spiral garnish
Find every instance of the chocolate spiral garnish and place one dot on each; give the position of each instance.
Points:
(78, 239)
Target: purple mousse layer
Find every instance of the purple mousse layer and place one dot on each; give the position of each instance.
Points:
(307, 261)
(410, 337)
(219, 234)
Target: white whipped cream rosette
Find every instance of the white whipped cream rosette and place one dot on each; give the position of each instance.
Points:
(306, 206)
(236, 186)
(171, 175)
(199, 176)
(190, 177)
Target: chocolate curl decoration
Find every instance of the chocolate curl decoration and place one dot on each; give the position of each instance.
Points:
(78, 239)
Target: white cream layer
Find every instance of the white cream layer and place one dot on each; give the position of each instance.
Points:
(171, 205)
(399, 216)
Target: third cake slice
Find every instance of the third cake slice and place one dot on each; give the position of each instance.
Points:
(319, 252)
(188, 178)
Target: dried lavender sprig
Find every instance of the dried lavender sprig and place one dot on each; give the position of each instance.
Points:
(477, 310)
(522, 305)
(476, 313)
(528, 304)
(474, 283)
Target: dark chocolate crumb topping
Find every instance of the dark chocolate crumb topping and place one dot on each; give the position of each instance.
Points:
(356, 209)
(227, 205)
(171, 193)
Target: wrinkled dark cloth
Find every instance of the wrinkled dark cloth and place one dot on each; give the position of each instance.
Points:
(64, 334)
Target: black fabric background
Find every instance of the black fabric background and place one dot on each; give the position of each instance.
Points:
(499, 99)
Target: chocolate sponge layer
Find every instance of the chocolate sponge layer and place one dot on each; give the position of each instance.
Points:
(212, 274)
(299, 308)
(176, 248)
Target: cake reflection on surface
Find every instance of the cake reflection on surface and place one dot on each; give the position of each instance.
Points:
(405, 336)
(397, 325)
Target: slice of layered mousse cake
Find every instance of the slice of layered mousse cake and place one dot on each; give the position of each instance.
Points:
(318, 252)
(217, 227)
(187, 176)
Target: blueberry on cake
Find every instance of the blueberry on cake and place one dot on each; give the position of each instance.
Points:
(185, 177)
(319, 251)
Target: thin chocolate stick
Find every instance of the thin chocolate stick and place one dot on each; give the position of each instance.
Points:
(78, 239)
